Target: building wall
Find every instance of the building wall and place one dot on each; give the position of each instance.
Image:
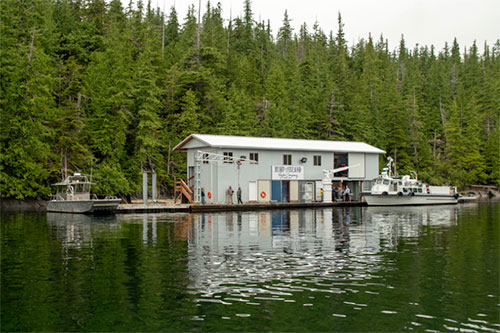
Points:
(354, 159)
(216, 177)
(371, 166)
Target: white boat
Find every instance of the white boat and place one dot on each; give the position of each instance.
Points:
(407, 190)
(73, 196)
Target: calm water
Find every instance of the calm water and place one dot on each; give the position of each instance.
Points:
(342, 269)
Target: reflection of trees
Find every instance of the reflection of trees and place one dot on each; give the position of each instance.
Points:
(93, 275)
(156, 272)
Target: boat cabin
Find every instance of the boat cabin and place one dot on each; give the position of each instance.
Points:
(76, 187)
(405, 185)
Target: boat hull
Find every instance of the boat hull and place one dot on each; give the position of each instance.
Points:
(83, 206)
(407, 200)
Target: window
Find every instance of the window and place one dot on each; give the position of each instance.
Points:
(228, 157)
(254, 157)
(317, 159)
(205, 158)
(340, 161)
(287, 159)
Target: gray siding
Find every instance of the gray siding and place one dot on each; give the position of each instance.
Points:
(371, 167)
(217, 177)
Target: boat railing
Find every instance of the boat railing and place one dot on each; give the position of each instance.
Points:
(57, 197)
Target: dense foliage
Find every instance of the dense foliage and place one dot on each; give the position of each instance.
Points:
(88, 83)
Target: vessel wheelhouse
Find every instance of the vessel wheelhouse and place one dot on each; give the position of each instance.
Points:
(389, 190)
(73, 196)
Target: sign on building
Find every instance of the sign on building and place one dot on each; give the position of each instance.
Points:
(287, 172)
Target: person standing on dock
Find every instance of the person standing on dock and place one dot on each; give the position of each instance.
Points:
(347, 192)
(202, 196)
(230, 193)
(238, 195)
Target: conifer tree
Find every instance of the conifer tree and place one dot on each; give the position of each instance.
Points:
(27, 106)
(91, 83)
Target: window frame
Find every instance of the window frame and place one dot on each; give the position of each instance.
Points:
(317, 160)
(254, 157)
(287, 159)
(228, 157)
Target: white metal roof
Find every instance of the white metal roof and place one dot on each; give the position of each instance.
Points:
(246, 142)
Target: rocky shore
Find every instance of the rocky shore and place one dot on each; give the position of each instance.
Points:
(10, 205)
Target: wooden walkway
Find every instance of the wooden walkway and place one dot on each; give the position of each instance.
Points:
(198, 208)
(151, 208)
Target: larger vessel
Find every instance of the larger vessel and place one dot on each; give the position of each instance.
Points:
(407, 190)
(73, 196)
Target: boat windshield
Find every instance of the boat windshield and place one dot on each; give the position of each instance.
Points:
(386, 182)
(82, 188)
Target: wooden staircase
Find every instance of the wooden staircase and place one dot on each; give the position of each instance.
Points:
(182, 190)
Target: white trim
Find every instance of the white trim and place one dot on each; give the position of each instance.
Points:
(243, 142)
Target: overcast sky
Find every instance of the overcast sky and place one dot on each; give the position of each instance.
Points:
(422, 22)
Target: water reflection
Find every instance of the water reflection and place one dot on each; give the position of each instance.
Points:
(76, 230)
(347, 230)
(231, 250)
(343, 265)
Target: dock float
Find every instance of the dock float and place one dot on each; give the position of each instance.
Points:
(152, 208)
(199, 208)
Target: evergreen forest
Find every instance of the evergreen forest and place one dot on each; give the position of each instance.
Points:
(98, 85)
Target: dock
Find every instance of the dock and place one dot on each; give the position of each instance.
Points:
(135, 208)
(142, 208)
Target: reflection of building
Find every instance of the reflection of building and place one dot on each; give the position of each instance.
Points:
(281, 170)
(244, 254)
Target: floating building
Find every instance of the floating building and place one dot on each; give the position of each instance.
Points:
(277, 170)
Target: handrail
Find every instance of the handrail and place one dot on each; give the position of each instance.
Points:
(182, 189)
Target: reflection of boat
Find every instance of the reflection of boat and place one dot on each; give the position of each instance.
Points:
(73, 196)
(61, 219)
(392, 191)
(78, 230)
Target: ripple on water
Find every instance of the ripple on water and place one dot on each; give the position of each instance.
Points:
(242, 315)
(339, 315)
(388, 312)
(339, 264)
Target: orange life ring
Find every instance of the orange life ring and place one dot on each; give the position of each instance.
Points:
(209, 195)
(263, 194)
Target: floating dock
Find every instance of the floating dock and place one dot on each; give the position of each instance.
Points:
(199, 208)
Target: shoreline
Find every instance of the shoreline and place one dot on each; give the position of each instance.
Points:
(167, 205)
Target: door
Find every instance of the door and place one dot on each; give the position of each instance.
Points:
(294, 190)
(308, 192)
(276, 190)
(285, 191)
(318, 189)
(252, 191)
(264, 190)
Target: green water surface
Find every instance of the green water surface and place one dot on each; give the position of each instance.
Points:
(343, 269)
